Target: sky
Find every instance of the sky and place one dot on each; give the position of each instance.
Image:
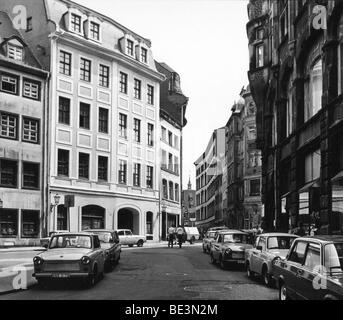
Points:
(205, 42)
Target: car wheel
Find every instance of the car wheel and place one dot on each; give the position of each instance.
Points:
(140, 243)
(213, 261)
(283, 294)
(267, 279)
(222, 263)
(250, 274)
(91, 280)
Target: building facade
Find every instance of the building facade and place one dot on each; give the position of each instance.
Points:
(23, 112)
(296, 81)
(188, 206)
(209, 176)
(173, 104)
(104, 119)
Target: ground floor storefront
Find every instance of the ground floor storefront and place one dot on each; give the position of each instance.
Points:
(81, 211)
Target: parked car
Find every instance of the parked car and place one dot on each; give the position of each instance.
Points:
(192, 234)
(208, 239)
(312, 270)
(44, 242)
(267, 248)
(126, 237)
(229, 247)
(71, 256)
(109, 240)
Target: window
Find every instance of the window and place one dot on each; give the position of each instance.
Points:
(176, 142)
(298, 252)
(15, 52)
(289, 110)
(63, 163)
(170, 162)
(8, 223)
(313, 90)
(150, 94)
(83, 165)
(312, 259)
(259, 56)
(30, 175)
(29, 24)
(104, 72)
(177, 193)
(144, 55)
(136, 174)
(8, 126)
(150, 177)
(94, 31)
(164, 134)
(30, 130)
(137, 130)
(65, 63)
(170, 138)
(150, 135)
(75, 23)
(123, 82)
(312, 166)
(149, 223)
(137, 89)
(30, 224)
(176, 165)
(84, 115)
(165, 188)
(85, 69)
(8, 173)
(102, 168)
(262, 243)
(255, 188)
(103, 120)
(171, 190)
(122, 171)
(31, 89)
(9, 83)
(164, 159)
(129, 47)
(64, 110)
(123, 125)
(62, 217)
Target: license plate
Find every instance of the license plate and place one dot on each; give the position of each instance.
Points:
(237, 256)
(60, 275)
(240, 261)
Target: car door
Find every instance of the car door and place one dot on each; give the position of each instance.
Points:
(129, 237)
(99, 253)
(253, 254)
(216, 247)
(116, 245)
(309, 274)
(294, 265)
(257, 253)
(122, 237)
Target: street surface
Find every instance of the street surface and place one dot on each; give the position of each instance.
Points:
(160, 273)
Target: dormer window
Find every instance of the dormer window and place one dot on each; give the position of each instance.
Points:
(144, 55)
(129, 47)
(15, 52)
(95, 31)
(75, 23)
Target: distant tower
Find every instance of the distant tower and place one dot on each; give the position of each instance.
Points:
(189, 184)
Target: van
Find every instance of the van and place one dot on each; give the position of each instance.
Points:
(192, 234)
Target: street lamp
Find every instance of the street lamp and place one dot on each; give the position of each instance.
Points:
(53, 206)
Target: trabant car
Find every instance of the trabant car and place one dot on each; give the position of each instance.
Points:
(71, 256)
(128, 238)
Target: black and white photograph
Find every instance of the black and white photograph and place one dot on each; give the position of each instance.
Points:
(188, 152)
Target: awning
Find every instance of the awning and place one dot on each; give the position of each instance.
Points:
(307, 187)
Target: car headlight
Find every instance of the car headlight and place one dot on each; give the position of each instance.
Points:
(276, 260)
(228, 251)
(37, 261)
(85, 260)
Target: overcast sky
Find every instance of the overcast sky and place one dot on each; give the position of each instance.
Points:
(205, 42)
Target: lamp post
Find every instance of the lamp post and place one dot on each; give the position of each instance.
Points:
(53, 206)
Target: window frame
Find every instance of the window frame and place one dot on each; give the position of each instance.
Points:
(122, 172)
(24, 118)
(137, 89)
(103, 168)
(123, 82)
(17, 84)
(137, 127)
(104, 80)
(83, 118)
(74, 23)
(63, 63)
(32, 82)
(16, 127)
(122, 125)
(15, 175)
(68, 162)
(150, 94)
(64, 112)
(80, 166)
(85, 70)
(38, 165)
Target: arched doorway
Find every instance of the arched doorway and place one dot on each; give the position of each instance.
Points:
(128, 218)
(93, 217)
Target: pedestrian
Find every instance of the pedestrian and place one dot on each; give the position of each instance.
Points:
(179, 234)
(171, 232)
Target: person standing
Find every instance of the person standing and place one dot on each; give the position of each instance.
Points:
(179, 234)
(171, 232)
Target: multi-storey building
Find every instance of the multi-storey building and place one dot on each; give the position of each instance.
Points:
(188, 206)
(103, 116)
(23, 119)
(296, 81)
(209, 174)
(252, 164)
(173, 105)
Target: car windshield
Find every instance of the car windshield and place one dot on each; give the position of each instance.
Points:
(281, 243)
(235, 238)
(71, 241)
(104, 237)
(334, 257)
(212, 235)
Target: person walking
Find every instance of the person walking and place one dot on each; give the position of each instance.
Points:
(179, 234)
(171, 232)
